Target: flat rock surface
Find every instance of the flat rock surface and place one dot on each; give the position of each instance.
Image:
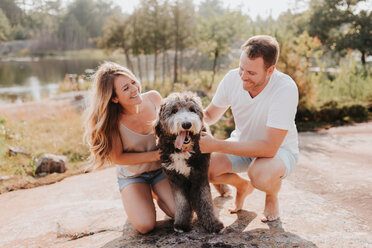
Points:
(325, 202)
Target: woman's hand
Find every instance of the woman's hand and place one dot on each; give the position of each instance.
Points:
(207, 143)
(157, 155)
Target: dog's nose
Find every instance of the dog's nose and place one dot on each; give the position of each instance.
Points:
(186, 125)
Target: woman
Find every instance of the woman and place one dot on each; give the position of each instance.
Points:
(119, 131)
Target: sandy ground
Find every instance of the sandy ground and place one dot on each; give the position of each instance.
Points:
(325, 202)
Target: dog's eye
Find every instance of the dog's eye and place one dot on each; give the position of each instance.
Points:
(174, 111)
(192, 109)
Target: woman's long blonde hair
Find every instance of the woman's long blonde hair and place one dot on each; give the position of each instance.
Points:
(102, 114)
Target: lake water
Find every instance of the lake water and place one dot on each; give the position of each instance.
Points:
(27, 80)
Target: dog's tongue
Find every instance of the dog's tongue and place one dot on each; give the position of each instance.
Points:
(180, 139)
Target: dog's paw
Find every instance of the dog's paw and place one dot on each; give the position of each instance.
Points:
(215, 228)
(181, 228)
(178, 230)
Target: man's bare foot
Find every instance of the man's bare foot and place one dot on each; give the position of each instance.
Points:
(241, 194)
(271, 211)
(222, 189)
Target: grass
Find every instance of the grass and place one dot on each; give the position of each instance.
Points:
(350, 86)
(59, 133)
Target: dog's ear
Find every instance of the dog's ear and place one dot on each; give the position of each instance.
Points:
(157, 128)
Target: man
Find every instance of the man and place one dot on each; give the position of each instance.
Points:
(264, 143)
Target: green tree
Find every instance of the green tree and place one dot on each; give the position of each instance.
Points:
(358, 35)
(43, 21)
(16, 19)
(296, 54)
(117, 32)
(183, 30)
(14, 13)
(166, 36)
(90, 16)
(137, 38)
(152, 17)
(4, 27)
(340, 25)
(219, 30)
(71, 34)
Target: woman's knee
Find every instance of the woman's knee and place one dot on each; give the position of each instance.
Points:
(145, 227)
(164, 196)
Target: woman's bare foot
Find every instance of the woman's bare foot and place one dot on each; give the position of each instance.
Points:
(271, 211)
(241, 194)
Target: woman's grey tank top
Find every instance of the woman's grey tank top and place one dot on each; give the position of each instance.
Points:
(136, 142)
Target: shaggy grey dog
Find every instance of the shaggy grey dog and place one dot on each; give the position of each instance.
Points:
(178, 130)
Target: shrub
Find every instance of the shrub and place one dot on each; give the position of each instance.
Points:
(332, 114)
(357, 113)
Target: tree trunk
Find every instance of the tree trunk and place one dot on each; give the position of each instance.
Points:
(214, 67)
(177, 36)
(163, 66)
(139, 66)
(175, 68)
(168, 64)
(155, 64)
(363, 58)
(127, 58)
(181, 63)
(147, 68)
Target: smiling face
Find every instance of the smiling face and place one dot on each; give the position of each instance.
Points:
(128, 91)
(254, 74)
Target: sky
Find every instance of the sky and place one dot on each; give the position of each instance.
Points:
(253, 8)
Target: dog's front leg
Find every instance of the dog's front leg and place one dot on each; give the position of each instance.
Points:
(202, 204)
(183, 211)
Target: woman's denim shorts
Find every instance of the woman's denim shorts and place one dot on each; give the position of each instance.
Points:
(151, 177)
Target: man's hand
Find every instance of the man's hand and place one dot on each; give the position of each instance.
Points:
(207, 143)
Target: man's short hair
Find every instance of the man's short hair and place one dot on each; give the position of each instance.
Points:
(264, 46)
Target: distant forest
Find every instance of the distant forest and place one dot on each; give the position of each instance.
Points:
(160, 27)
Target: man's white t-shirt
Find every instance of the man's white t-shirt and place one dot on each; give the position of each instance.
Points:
(275, 106)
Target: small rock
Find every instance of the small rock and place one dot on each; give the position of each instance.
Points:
(79, 97)
(5, 178)
(50, 163)
(14, 151)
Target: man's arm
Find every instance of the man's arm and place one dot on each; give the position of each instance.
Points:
(213, 113)
(265, 148)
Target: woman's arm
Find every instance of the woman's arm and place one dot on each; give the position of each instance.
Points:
(131, 158)
(134, 158)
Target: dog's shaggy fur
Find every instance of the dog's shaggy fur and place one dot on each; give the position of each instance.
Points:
(178, 130)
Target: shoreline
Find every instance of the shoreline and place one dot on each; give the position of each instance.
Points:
(59, 102)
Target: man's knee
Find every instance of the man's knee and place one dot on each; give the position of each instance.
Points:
(264, 172)
(259, 179)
